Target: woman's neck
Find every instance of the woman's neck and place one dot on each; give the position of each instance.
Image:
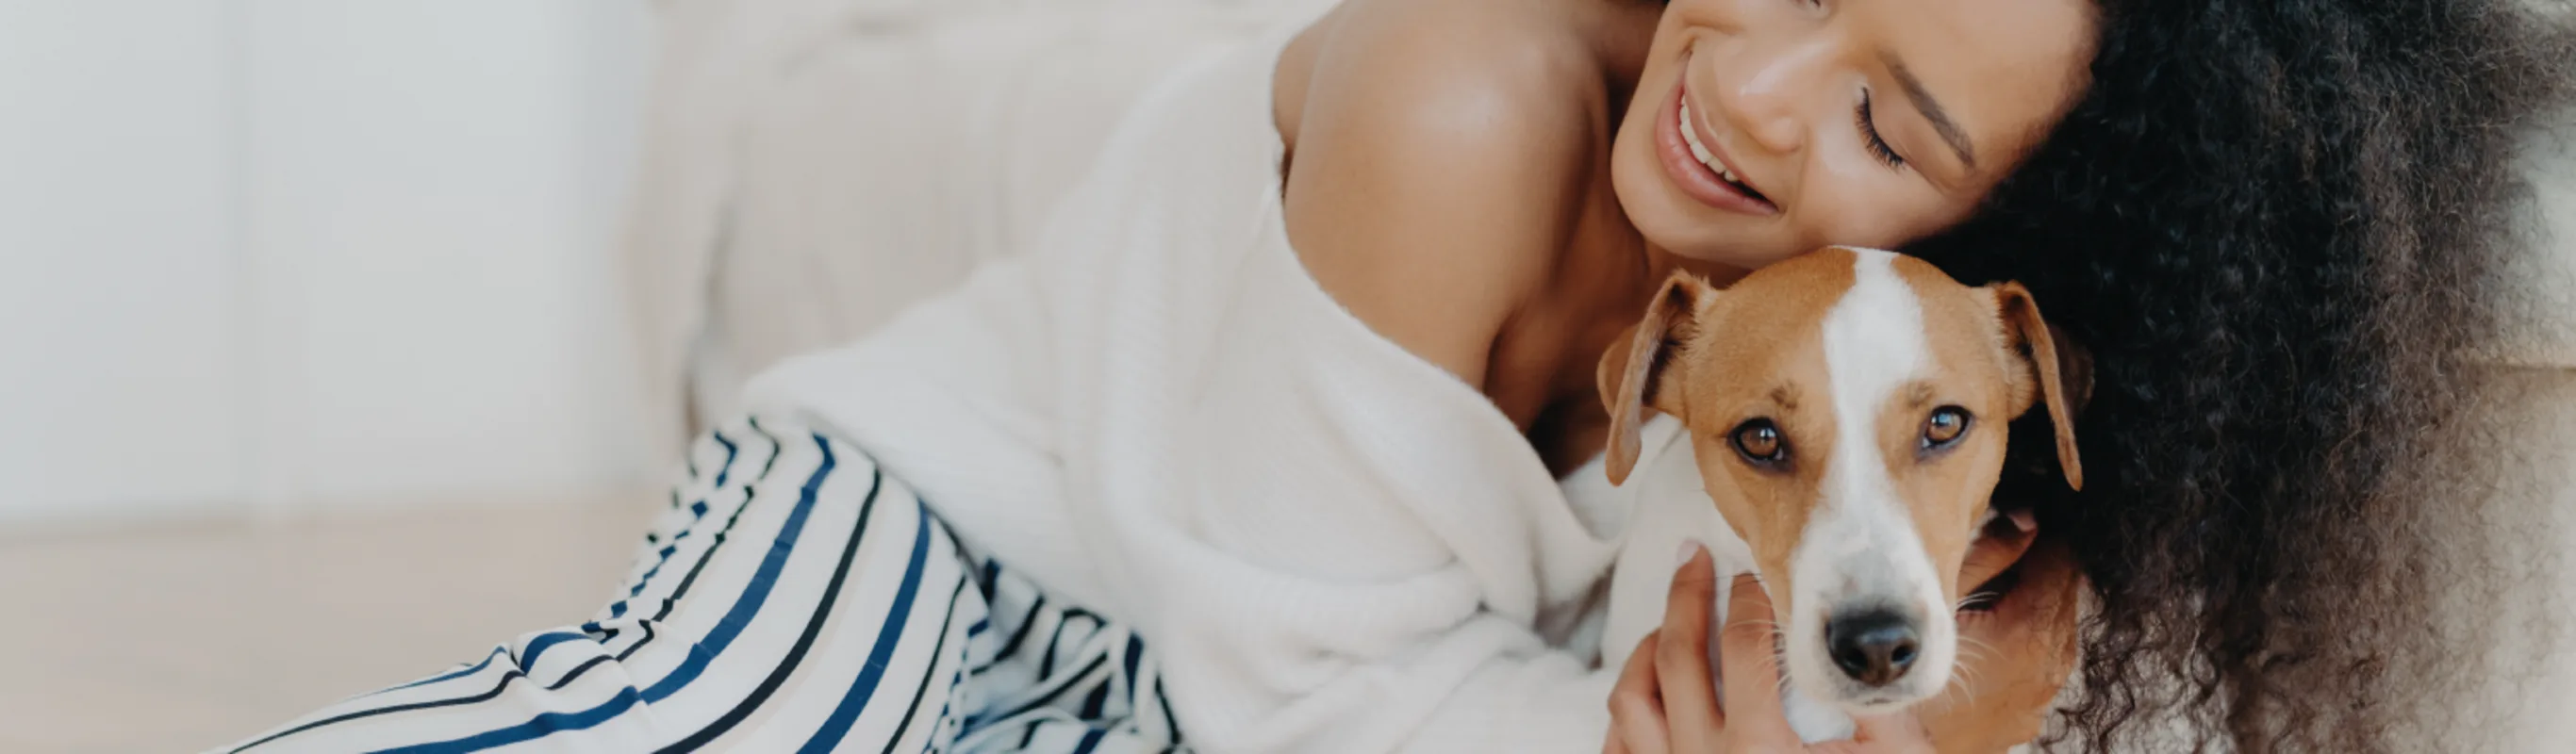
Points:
(1660, 266)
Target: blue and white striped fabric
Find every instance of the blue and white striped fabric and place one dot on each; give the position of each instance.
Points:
(794, 598)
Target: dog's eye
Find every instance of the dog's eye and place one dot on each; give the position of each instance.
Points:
(1944, 426)
(1759, 441)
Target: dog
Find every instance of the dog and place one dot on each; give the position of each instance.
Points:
(1859, 543)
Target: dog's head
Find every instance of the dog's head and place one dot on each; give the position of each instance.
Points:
(1848, 411)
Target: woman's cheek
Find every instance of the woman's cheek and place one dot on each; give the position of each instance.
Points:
(1884, 217)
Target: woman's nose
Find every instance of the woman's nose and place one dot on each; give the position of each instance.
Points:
(1763, 91)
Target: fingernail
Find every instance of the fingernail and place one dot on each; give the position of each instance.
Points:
(2024, 521)
(1690, 547)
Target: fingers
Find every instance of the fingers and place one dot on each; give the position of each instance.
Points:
(2026, 648)
(2043, 598)
(1748, 651)
(1636, 708)
(1997, 547)
(1681, 656)
(2041, 614)
(1900, 732)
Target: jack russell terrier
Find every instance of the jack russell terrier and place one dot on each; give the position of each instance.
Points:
(1844, 418)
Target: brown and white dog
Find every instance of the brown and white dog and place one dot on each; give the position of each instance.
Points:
(1845, 415)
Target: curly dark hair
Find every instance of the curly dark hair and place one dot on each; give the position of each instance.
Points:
(2280, 226)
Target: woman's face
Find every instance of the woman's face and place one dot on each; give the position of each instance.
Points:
(1860, 122)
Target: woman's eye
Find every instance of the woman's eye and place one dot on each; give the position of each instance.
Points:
(1944, 426)
(1759, 441)
(1869, 135)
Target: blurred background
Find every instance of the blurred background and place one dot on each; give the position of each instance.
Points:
(314, 375)
(341, 340)
(299, 255)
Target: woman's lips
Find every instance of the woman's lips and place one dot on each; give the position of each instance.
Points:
(1695, 177)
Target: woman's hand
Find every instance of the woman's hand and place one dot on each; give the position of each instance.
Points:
(2016, 651)
(1666, 703)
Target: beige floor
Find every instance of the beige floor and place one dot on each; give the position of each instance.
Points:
(184, 637)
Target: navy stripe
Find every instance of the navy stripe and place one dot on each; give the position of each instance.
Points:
(537, 647)
(540, 727)
(458, 673)
(749, 494)
(1065, 683)
(922, 689)
(865, 686)
(1090, 741)
(754, 594)
(697, 515)
(639, 643)
(486, 696)
(1028, 622)
(1170, 723)
(670, 602)
(804, 641)
(987, 576)
(706, 649)
(1046, 664)
(1135, 652)
(731, 452)
(776, 448)
(1099, 698)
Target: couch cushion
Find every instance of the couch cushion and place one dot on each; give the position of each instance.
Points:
(816, 165)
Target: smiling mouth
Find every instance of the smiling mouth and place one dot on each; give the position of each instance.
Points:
(1707, 159)
(1694, 164)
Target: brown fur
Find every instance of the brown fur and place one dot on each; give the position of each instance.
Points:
(1717, 359)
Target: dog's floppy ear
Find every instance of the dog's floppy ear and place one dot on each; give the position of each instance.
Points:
(1636, 375)
(2062, 370)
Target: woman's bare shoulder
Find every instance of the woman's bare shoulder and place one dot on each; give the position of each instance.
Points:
(1438, 149)
(1545, 54)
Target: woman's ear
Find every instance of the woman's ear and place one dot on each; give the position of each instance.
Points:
(2053, 366)
(1637, 375)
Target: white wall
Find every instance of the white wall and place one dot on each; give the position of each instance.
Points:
(285, 254)
(119, 338)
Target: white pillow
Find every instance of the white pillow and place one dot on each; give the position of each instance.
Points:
(812, 166)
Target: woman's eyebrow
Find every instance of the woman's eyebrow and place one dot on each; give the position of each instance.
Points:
(1931, 109)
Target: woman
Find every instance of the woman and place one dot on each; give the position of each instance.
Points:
(1288, 388)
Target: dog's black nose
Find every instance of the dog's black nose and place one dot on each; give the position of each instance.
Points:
(1874, 647)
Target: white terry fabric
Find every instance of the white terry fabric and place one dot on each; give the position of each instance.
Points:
(1333, 545)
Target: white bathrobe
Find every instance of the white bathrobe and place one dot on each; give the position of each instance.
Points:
(1333, 545)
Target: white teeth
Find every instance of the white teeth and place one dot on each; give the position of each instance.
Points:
(1690, 136)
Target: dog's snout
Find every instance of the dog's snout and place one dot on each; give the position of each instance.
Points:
(1874, 647)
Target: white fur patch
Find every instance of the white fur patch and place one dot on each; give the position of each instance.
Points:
(1860, 546)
